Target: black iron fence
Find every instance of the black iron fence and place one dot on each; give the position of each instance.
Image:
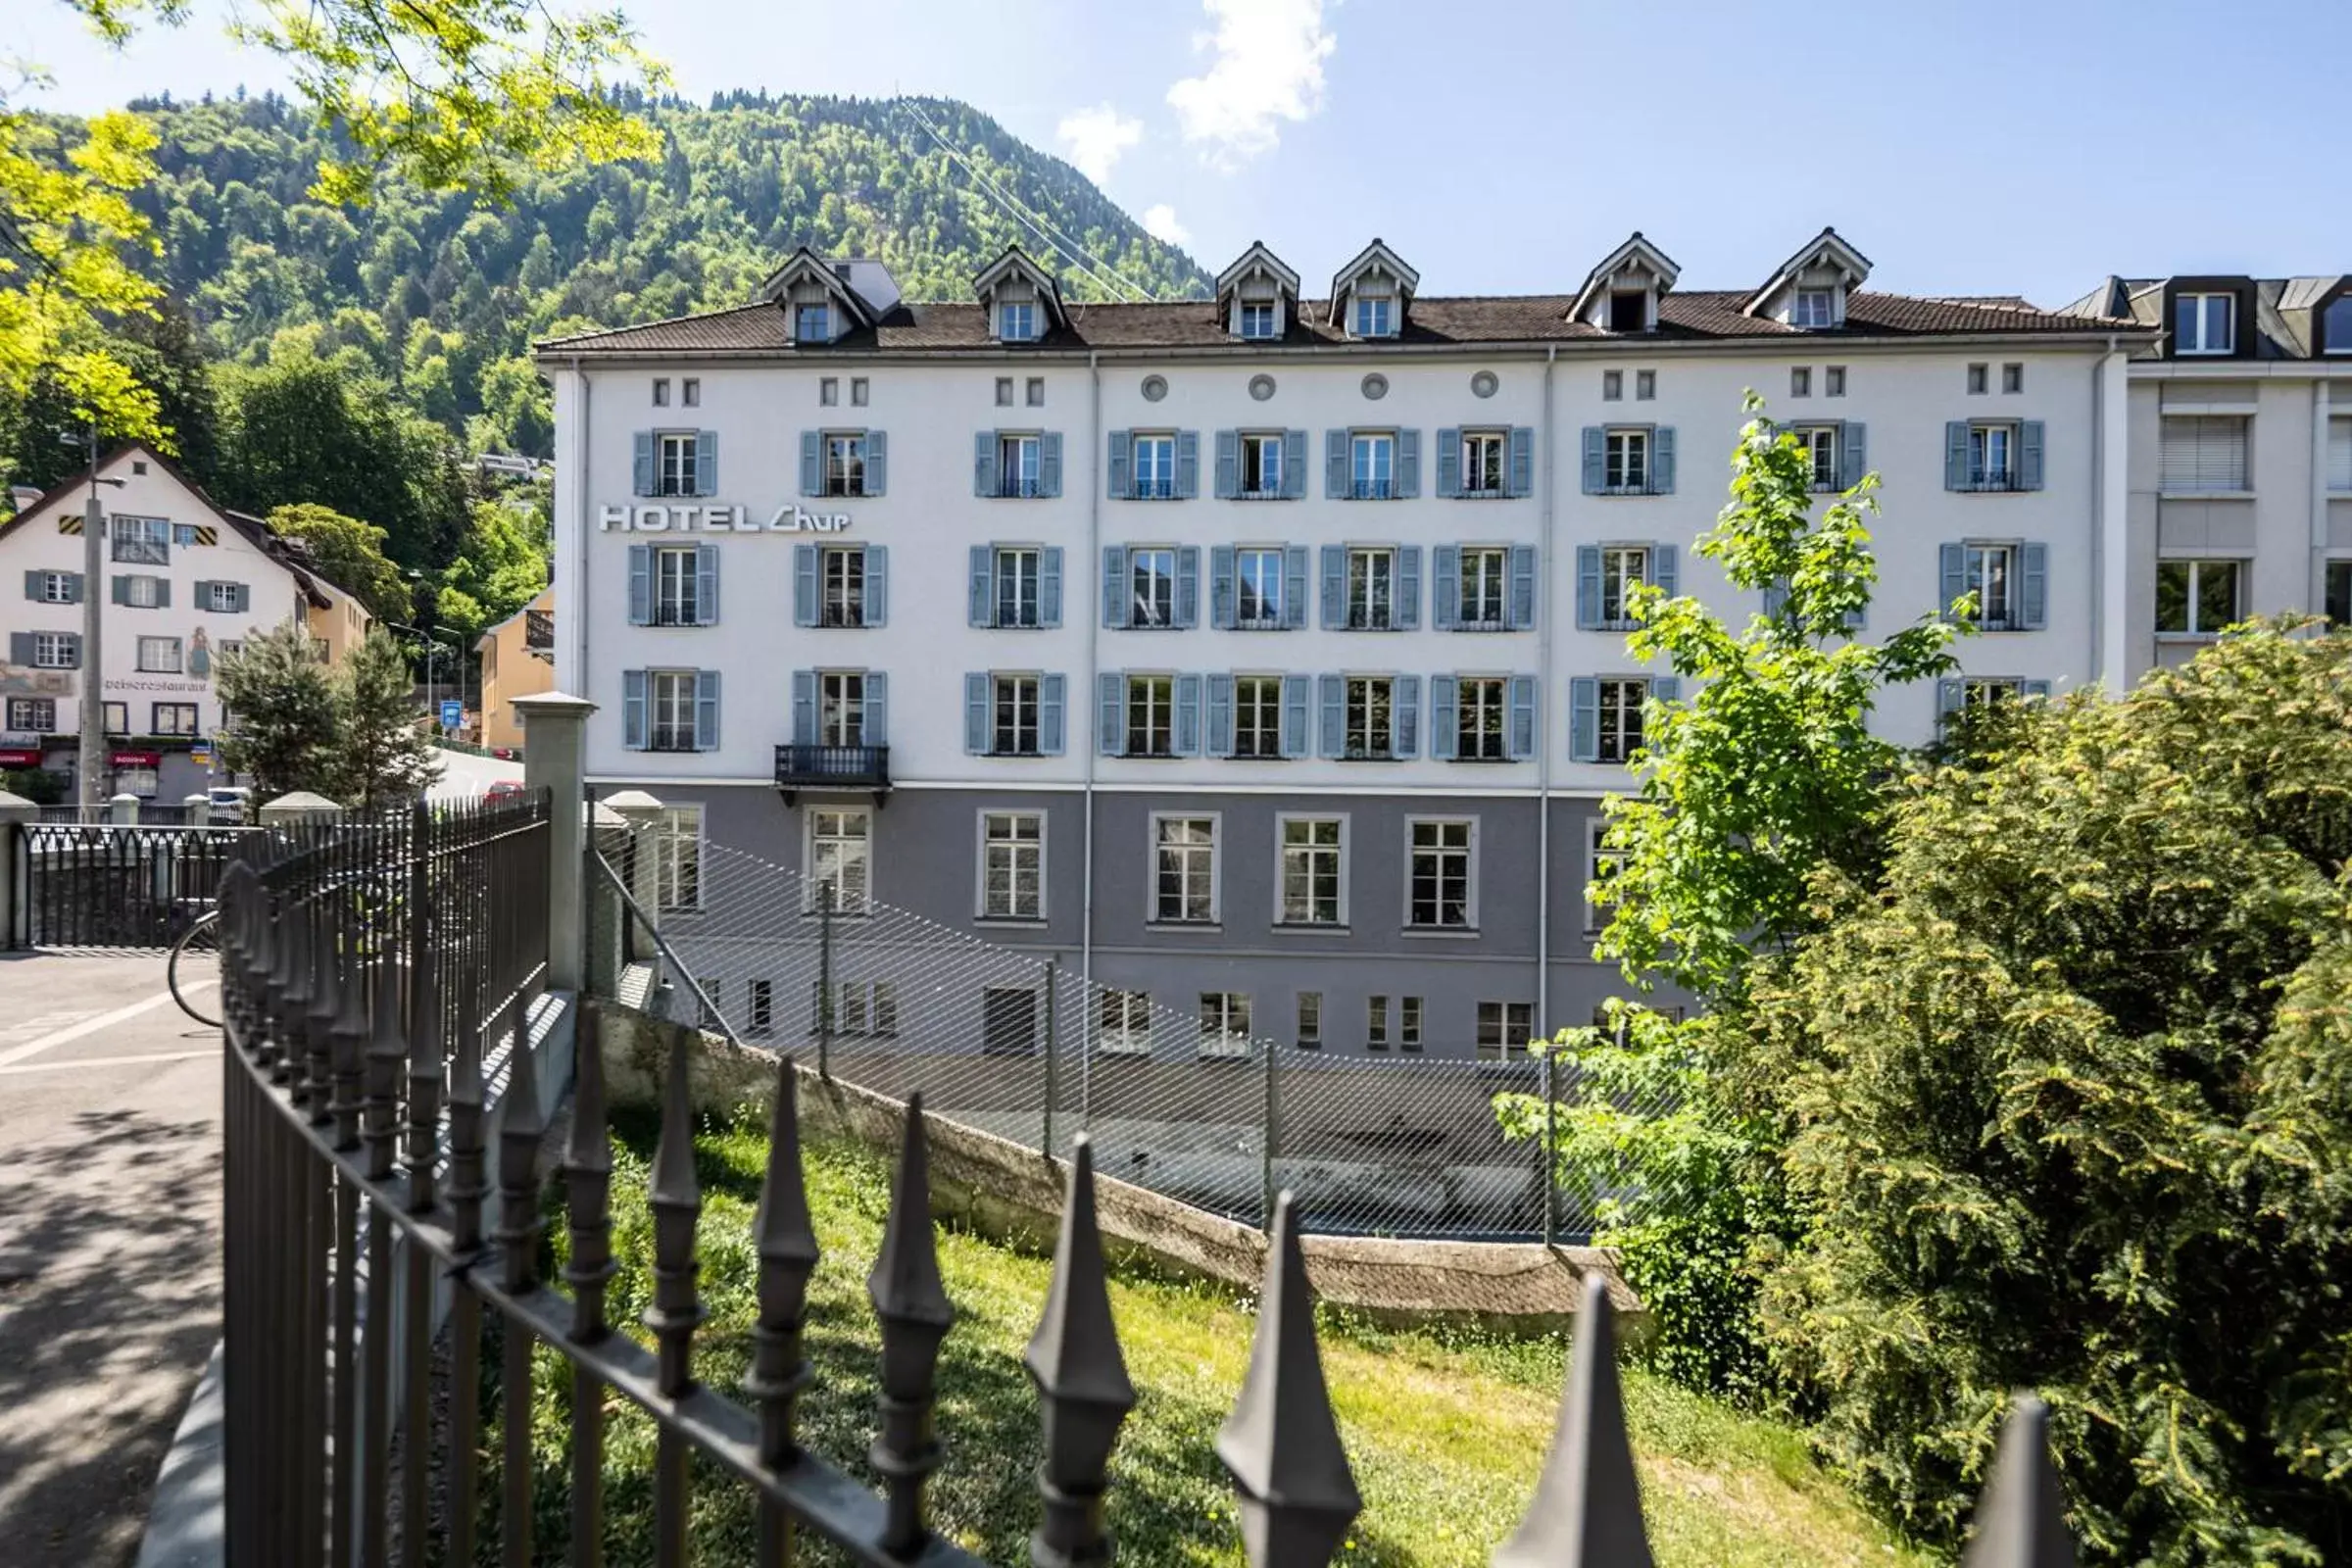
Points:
(103, 885)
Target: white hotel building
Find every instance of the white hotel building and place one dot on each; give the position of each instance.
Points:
(1267, 656)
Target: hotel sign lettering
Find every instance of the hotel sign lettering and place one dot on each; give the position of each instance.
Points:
(688, 517)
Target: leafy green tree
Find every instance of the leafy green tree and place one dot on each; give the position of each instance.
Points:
(381, 752)
(501, 569)
(349, 553)
(282, 732)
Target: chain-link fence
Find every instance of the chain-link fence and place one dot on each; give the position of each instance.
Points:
(1015, 1043)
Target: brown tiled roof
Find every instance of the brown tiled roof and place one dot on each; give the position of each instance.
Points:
(1683, 315)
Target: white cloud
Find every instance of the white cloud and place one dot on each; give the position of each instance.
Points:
(1160, 222)
(1268, 69)
(1097, 138)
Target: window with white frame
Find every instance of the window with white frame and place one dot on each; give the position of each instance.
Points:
(222, 598)
(676, 590)
(1990, 571)
(1314, 870)
(669, 696)
(1184, 868)
(1442, 879)
(1261, 465)
(1257, 716)
(2204, 323)
(1991, 455)
(841, 708)
(1016, 465)
(813, 324)
(1813, 307)
(140, 541)
(1152, 578)
(1123, 1022)
(1257, 581)
(841, 857)
(2203, 453)
(159, 656)
(1621, 704)
(1016, 587)
(1371, 718)
(1408, 1023)
(2197, 598)
(1261, 318)
(674, 472)
(56, 587)
(1012, 731)
(1155, 459)
(1372, 464)
(845, 463)
(1376, 1023)
(1224, 1024)
(1371, 589)
(1375, 315)
(143, 593)
(117, 719)
(1012, 865)
(1601, 863)
(853, 1008)
(1504, 1029)
(1485, 585)
(760, 1007)
(1990, 691)
(176, 720)
(841, 584)
(1481, 710)
(56, 650)
(1151, 716)
(676, 847)
(1820, 442)
(32, 716)
(1016, 320)
(1623, 568)
(1310, 1020)
(1482, 462)
(1624, 462)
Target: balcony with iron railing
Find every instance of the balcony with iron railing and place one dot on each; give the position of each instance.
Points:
(801, 766)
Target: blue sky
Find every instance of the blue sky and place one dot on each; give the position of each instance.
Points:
(1505, 145)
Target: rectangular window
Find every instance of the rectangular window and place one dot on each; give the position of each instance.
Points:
(1645, 386)
(1612, 386)
(1371, 718)
(1155, 458)
(1017, 465)
(661, 391)
(841, 708)
(1991, 571)
(2196, 598)
(1621, 704)
(1486, 573)
(842, 579)
(1012, 865)
(676, 845)
(2013, 377)
(828, 392)
(1629, 310)
(56, 588)
(1152, 576)
(2339, 447)
(1016, 588)
(1990, 691)
(159, 656)
(676, 591)
(1016, 322)
(1832, 381)
(2338, 586)
(1260, 319)
(840, 858)
(1480, 706)
(117, 719)
(858, 397)
(54, 650)
(1442, 888)
(1036, 392)
(1800, 381)
(1600, 863)
(1008, 1022)
(1979, 380)
(1310, 1020)
(2204, 323)
(1224, 1024)
(222, 600)
(1151, 716)
(1992, 457)
(1408, 1023)
(1373, 455)
(143, 593)
(1813, 307)
(674, 473)
(1821, 445)
(173, 718)
(1374, 316)
(856, 1008)
(760, 1007)
(2202, 453)
(1314, 870)
(1626, 462)
(35, 715)
(1482, 463)
(1014, 731)
(1623, 568)
(141, 541)
(1123, 1024)
(690, 392)
(1504, 1029)
(1376, 1023)
(1184, 887)
(1261, 466)
(669, 698)
(845, 465)
(1257, 716)
(1371, 590)
(813, 324)
(1003, 391)
(1258, 589)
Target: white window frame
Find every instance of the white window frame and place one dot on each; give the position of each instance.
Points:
(1145, 611)
(1154, 479)
(1131, 1036)
(1496, 1019)
(1374, 316)
(1375, 1021)
(223, 601)
(1016, 320)
(1487, 701)
(1307, 1020)
(828, 846)
(1019, 456)
(1261, 452)
(1260, 572)
(1216, 890)
(1413, 852)
(57, 588)
(146, 660)
(1486, 455)
(189, 711)
(1410, 1013)
(1260, 319)
(2185, 343)
(670, 692)
(139, 541)
(1228, 1008)
(1313, 852)
(1616, 745)
(1260, 739)
(1158, 694)
(676, 598)
(1375, 696)
(1983, 473)
(1813, 308)
(2198, 567)
(677, 830)
(54, 650)
(1989, 570)
(1372, 464)
(1821, 446)
(1623, 568)
(840, 586)
(1625, 468)
(844, 455)
(841, 708)
(676, 472)
(1020, 689)
(1484, 600)
(1013, 848)
(812, 321)
(1371, 600)
(24, 710)
(143, 591)
(1013, 572)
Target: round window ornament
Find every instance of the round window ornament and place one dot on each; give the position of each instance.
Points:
(1155, 387)
(1483, 384)
(1376, 386)
(1262, 387)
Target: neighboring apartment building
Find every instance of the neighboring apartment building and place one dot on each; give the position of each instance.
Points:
(1265, 654)
(518, 660)
(185, 582)
(2241, 455)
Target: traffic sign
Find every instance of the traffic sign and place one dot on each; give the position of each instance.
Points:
(452, 714)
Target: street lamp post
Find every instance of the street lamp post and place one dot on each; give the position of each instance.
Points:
(93, 665)
(432, 647)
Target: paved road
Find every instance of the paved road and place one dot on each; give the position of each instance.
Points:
(109, 1243)
(465, 775)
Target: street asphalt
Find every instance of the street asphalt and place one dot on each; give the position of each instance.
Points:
(109, 1243)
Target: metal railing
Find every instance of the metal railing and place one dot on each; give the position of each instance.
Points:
(860, 767)
(119, 885)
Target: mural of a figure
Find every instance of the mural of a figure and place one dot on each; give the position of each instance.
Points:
(200, 656)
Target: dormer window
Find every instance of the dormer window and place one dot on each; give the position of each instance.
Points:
(2205, 323)
(1621, 295)
(1813, 307)
(1016, 322)
(1375, 316)
(1810, 289)
(1629, 310)
(1262, 319)
(813, 324)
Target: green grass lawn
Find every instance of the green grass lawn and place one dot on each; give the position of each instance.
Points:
(1446, 1431)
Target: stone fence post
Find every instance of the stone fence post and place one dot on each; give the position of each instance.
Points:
(124, 810)
(299, 806)
(200, 810)
(555, 759)
(14, 928)
(643, 814)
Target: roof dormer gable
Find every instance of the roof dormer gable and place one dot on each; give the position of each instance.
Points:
(1258, 295)
(1810, 288)
(817, 298)
(1622, 293)
(1022, 298)
(1370, 295)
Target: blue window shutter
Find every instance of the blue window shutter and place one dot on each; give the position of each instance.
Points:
(812, 462)
(1446, 587)
(245, 598)
(641, 585)
(804, 708)
(1775, 598)
(1666, 689)
(877, 585)
(1049, 464)
(984, 464)
(1188, 464)
(1662, 461)
(1857, 621)
(1583, 719)
(1229, 465)
(1523, 459)
(1332, 691)
(1587, 587)
(2034, 688)
(1294, 586)
(1523, 587)
(975, 713)
(1048, 586)
(1334, 466)
(32, 589)
(980, 608)
(2029, 454)
(803, 585)
(1409, 588)
(1293, 465)
(1123, 460)
(706, 584)
(1952, 560)
(1449, 465)
(1853, 453)
(1051, 704)
(706, 711)
(1109, 713)
(644, 481)
(162, 593)
(1405, 718)
(1444, 719)
(1596, 460)
(121, 586)
(1188, 587)
(79, 586)
(632, 709)
(1409, 465)
(1665, 568)
(1219, 740)
(1221, 612)
(877, 463)
(1334, 587)
(1115, 604)
(2035, 600)
(1955, 454)
(203, 592)
(877, 709)
(1519, 739)
(1297, 703)
(706, 462)
(19, 647)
